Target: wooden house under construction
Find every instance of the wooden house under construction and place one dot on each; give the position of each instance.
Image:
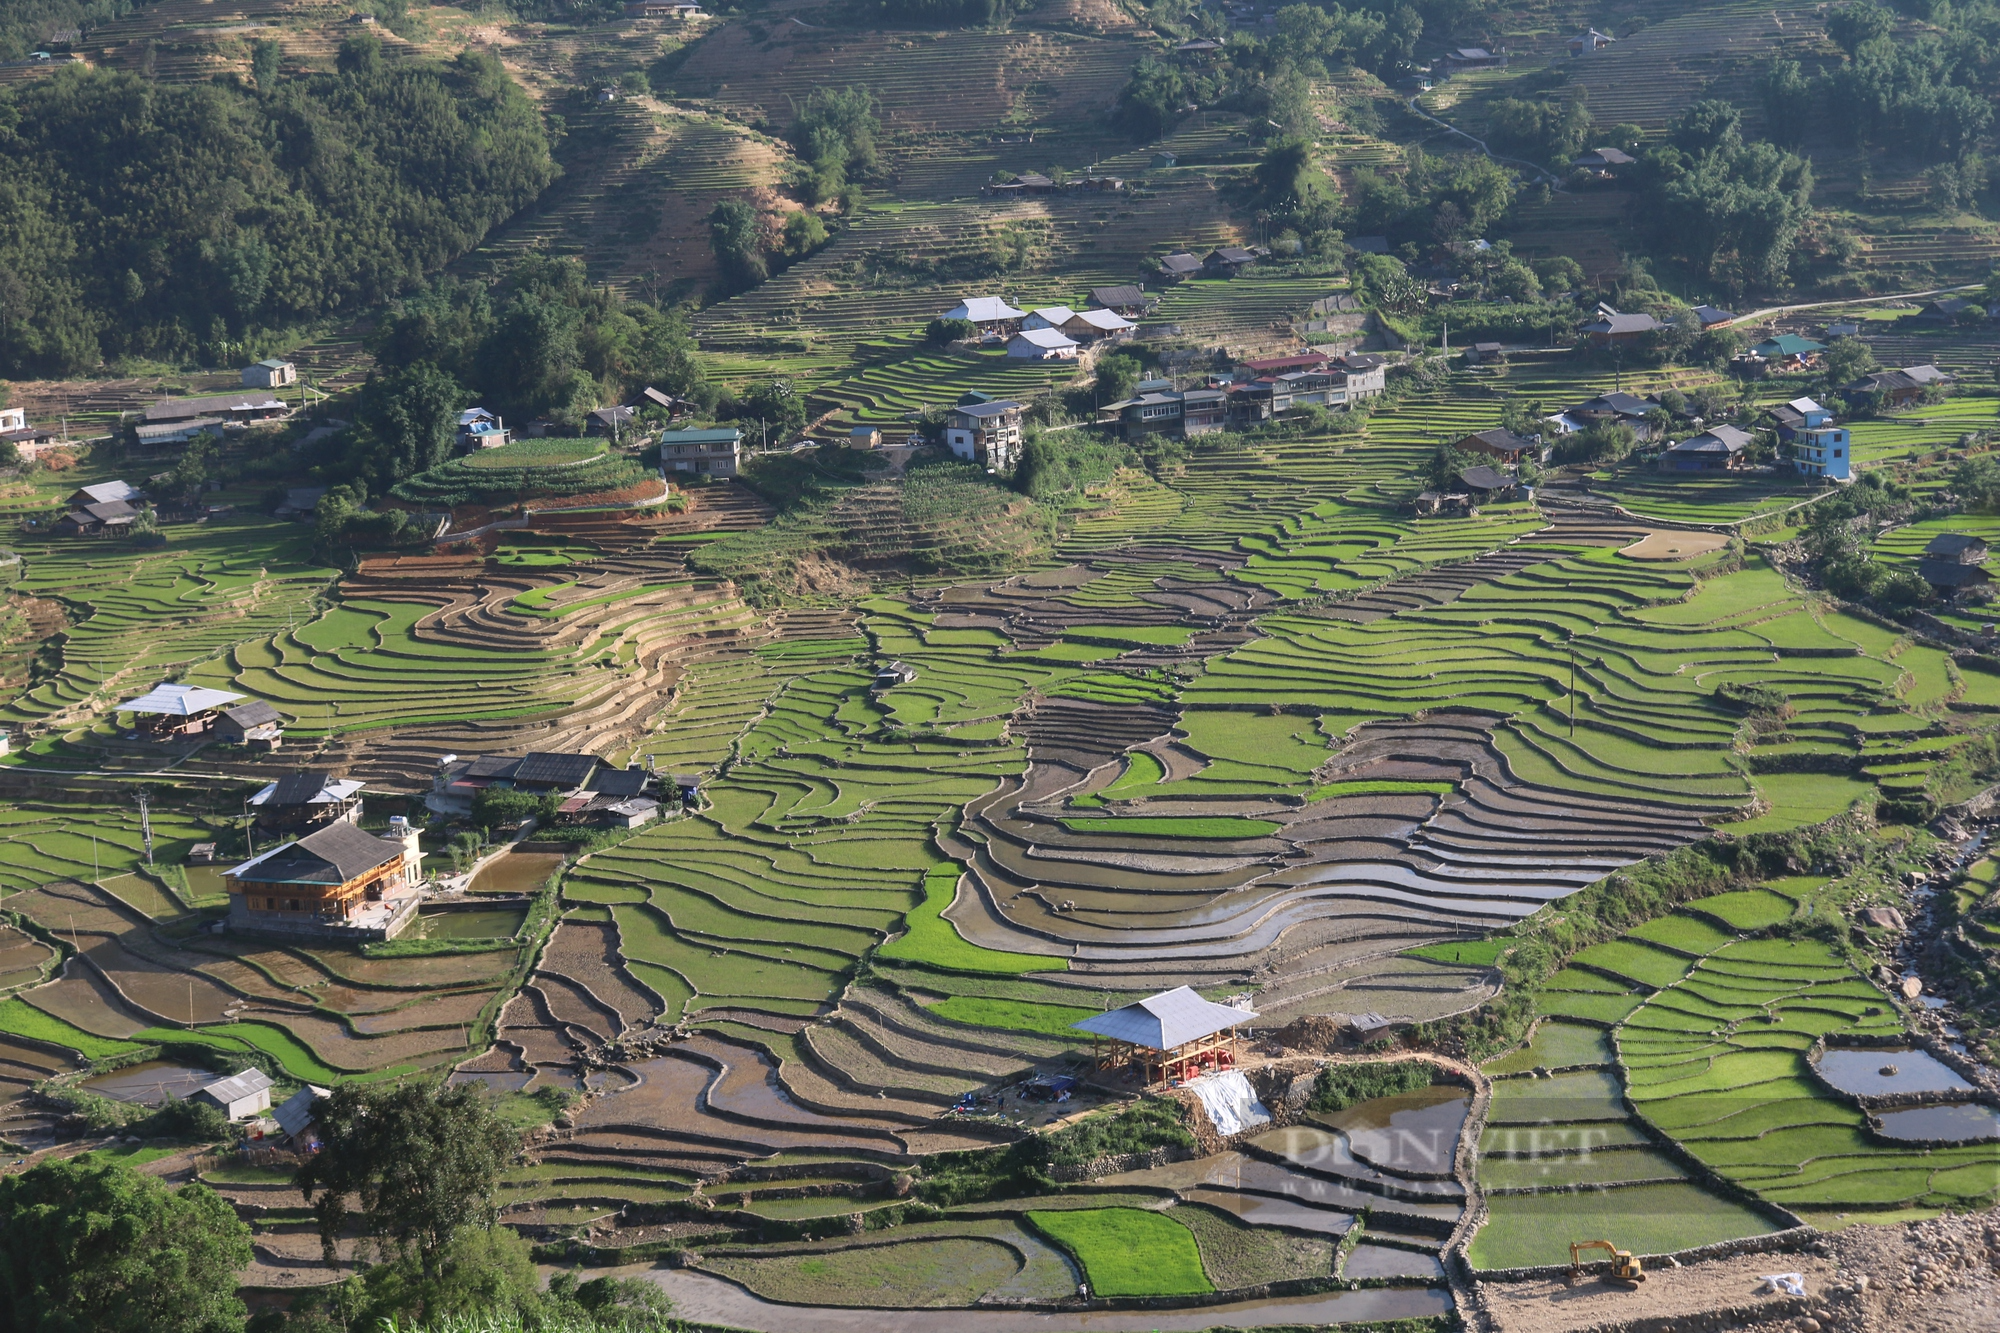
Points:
(1166, 1038)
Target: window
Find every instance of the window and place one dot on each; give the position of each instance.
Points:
(271, 904)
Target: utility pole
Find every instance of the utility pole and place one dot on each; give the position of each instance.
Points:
(146, 827)
(1572, 685)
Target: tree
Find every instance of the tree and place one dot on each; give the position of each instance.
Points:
(421, 1162)
(1846, 360)
(778, 405)
(804, 233)
(1854, 26)
(264, 58)
(941, 331)
(1118, 376)
(95, 1246)
(408, 420)
(1286, 176)
(734, 236)
(834, 132)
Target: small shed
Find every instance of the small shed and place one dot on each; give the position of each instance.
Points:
(295, 1114)
(633, 813)
(255, 724)
(688, 787)
(273, 374)
(240, 1096)
(865, 437)
(1171, 1036)
(894, 674)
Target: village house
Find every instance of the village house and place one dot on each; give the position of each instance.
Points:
(1165, 158)
(270, 375)
(891, 674)
(1798, 415)
(1897, 388)
(612, 798)
(1962, 547)
(1473, 57)
(662, 9)
(1079, 325)
(179, 710)
(1367, 375)
(30, 442)
(1435, 504)
(1227, 261)
(1487, 485)
(107, 492)
(1713, 317)
(988, 433)
(480, 429)
(1823, 451)
(1613, 409)
(300, 802)
(1943, 310)
(1949, 578)
(300, 501)
(1589, 41)
(1042, 345)
(1126, 300)
(716, 450)
(457, 782)
(174, 420)
(989, 314)
(337, 882)
(1604, 161)
(295, 1117)
(1179, 266)
(1479, 353)
(1172, 412)
(611, 421)
(864, 437)
(1716, 449)
(1499, 443)
(1789, 351)
(653, 399)
(1611, 328)
(238, 1097)
(99, 518)
(255, 724)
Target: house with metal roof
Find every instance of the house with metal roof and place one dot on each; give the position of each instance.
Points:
(1789, 351)
(1603, 160)
(271, 374)
(717, 450)
(1166, 1038)
(1042, 345)
(240, 1096)
(1178, 266)
(991, 313)
(295, 1115)
(1130, 299)
(1963, 547)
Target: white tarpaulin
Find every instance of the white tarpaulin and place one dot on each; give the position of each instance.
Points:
(1231, 1101)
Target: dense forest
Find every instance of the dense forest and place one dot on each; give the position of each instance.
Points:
(177, 222)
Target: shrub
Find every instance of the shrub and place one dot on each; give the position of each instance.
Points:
(1341, 1086)
(941, 331)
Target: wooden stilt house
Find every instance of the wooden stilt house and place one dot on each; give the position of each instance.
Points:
(1166, 1038)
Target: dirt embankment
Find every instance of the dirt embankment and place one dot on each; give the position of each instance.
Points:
(1941, 1276)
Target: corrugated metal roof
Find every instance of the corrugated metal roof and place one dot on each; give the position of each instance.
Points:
(1171, 1018)
(236, 1087)
(295, 1112)
(178, 700)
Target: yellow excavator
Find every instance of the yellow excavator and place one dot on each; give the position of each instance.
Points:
(1624, 1268)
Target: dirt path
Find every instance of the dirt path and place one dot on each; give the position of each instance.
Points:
(705, 1299)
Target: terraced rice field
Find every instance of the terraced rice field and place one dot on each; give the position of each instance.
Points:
(1669, 1093)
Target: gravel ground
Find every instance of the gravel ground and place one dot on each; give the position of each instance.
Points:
(1941, 1276)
